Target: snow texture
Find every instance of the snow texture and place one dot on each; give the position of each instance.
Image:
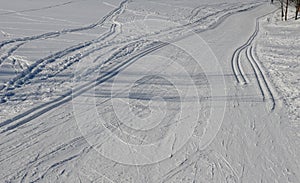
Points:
(148, 91)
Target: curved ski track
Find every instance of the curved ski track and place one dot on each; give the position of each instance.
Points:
(118, 10)
(260, 76)
(34, 69)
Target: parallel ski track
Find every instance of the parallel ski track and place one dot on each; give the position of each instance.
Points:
(240, 75)
(47, 35)
(39, 110)
(111, 14)
(261, 77)
(236, 65)
(37, 67)
(65, 31)
(235, 61)
(254, 67)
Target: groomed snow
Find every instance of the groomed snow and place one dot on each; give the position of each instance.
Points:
(148, 91)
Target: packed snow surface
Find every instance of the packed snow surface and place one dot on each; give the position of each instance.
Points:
(148, 91)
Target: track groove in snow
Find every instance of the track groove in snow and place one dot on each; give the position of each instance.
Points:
(261, 78)
(65, 31)
(41, 143)
(240, 74)
(29, 73)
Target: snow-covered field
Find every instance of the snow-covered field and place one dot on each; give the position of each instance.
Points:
(279, 51)
(148, 91)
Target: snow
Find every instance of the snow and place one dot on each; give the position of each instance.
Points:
(278, 48)
(148, 91)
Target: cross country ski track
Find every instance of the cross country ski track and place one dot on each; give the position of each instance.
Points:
(43, 142)
(35, 68)
(113, 13)
(29, 73)
(259, 73)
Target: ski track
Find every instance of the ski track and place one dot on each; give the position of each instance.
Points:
(60, 54)
(129, 52)
(255, 69)
(39, 159)
(65, 31)
(10, 52)
(38, 111)
(37, 9)
(259, 73)
(235, 61)
(264, 78)
(38, 66)
(222, 165)
(261, 78)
